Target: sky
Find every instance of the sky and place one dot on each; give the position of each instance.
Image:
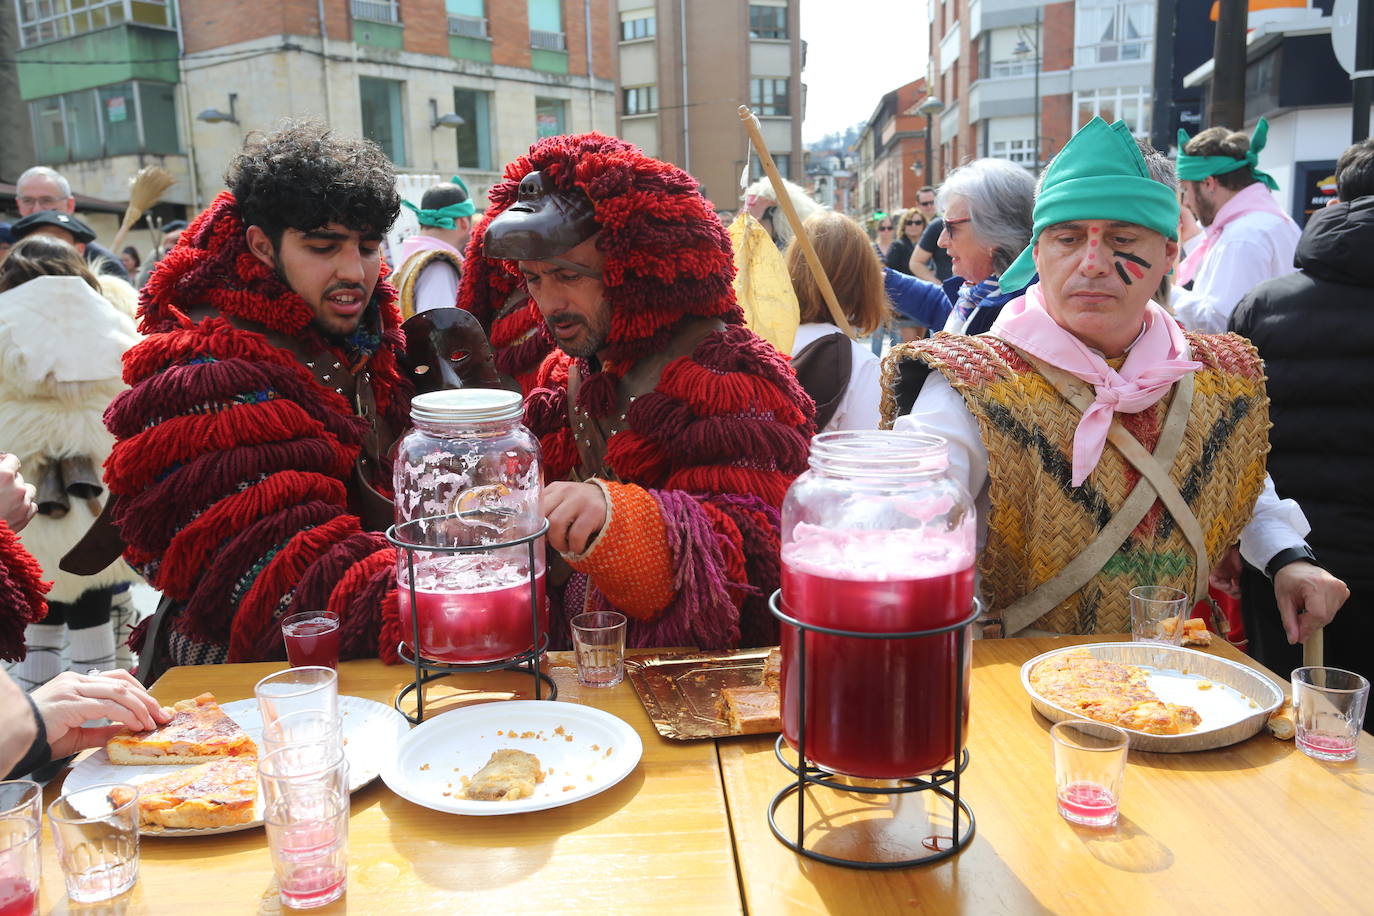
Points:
(857, 51)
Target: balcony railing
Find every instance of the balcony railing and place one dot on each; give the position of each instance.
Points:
(467, 26)
(1004, 68)
(374, 10)
(548, 41)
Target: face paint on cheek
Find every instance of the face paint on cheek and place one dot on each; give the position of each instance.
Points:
(1121, 273)
(1133, 265)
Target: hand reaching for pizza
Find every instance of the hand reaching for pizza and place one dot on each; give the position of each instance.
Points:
(70, 700)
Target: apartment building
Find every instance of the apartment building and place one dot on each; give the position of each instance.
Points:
(443, 86)
(686, 67)
(1018, 77)
(892, 151)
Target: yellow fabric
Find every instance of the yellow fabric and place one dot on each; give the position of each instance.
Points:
(762, 286)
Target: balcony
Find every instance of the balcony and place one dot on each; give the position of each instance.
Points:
(467, 26)
(375, 10)
(546, 41)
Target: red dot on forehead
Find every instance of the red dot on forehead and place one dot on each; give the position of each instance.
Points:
(1094, 230)
(1094, 241)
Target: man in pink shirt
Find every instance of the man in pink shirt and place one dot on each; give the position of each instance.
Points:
(432, 261)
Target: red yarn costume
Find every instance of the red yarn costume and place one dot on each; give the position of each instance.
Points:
(21, 594)
(690, 550)
(232, 462)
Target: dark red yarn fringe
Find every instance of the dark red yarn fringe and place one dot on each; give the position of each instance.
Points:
(21, 594)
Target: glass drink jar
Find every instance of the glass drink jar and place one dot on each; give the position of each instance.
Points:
(468, 474)
(876, 537)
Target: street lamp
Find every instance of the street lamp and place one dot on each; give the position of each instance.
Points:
(928, 109)
(1026, 45)
(215, 116)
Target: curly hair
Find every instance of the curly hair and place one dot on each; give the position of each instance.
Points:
(304, 177)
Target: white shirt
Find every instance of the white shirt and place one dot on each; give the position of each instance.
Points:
(1252, 248)
(1276, 523)
(437, 287)
(859, 405)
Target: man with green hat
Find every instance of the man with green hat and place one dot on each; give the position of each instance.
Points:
(1106, 447)
(432, 260)
(1249, 237)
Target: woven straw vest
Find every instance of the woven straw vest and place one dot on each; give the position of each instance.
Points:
(1038, 522)
(408, 276)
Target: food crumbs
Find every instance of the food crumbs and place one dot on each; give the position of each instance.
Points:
(589, 777)
(499, 732)
(446, 794)
(569, 788)
(609, 750)
(596, 747)
(1254, 705)
(527, 735)
(567, 738)
(1204, 685)
(559, 731)
(423, 767)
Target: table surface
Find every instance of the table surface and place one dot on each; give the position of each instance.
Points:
(1254, 827)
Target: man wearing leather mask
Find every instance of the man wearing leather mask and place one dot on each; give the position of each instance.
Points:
(249, 469)
(670, 432)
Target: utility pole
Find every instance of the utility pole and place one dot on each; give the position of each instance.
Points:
(1162, 111)
(1362, 80)
(1227, 105)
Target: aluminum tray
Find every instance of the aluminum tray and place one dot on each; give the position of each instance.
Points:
(679, 691)
(1249, 683)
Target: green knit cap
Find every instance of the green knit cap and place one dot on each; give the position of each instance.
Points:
(1196, 168)
(1099, 174)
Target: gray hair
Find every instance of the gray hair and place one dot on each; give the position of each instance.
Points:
(1001, 199)
(42, 171)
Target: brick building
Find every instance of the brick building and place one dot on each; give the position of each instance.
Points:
(184, 92)
(1018, 77)
(892, 151)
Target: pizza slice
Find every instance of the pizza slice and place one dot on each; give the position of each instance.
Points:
(750, 710)
(218, 794)
(200, 732)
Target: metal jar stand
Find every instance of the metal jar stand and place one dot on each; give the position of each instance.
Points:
(942, 847)
(427, 670)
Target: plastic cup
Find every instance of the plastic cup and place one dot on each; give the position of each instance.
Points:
(21, 798)
(599, 642)
(97, 841)
(1089, 768)
(307, 835)
(311, 638)
(303, 771)
(296, 690)
(19, 865)
(309, 726)
(1328, 711)
(1157, 614)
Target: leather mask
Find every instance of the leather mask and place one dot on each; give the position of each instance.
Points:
(446, 348)
(542, 224)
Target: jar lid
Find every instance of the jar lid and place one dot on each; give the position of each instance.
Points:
(466, 405)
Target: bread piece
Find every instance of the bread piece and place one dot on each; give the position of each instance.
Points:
(200, 732)
(1281, 724)
(750, 710)
(772, 669)
(508, 776)
(218, 794)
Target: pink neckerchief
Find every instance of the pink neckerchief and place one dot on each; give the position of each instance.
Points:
(1156, 360)
(1253, 198)
(419, 242)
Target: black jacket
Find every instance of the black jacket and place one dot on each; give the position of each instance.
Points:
(899, 254)
(1315, 331)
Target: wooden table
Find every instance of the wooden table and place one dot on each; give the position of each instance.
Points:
(1254, 828)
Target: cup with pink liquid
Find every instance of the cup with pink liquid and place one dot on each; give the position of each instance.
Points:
(312, 638)
(19, 865)
(1329, 706)
(1089, 769)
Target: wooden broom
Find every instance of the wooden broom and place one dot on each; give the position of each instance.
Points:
(145, 189)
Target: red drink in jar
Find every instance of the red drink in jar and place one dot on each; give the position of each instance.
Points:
(876, 708)
(473, 609)
(311, 639)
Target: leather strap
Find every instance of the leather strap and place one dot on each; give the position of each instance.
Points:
(1154, 483)
(823, 368)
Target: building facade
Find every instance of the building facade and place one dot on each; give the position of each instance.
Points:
(892, 151)
(686, 67)
(1018, 77)
(443, 86)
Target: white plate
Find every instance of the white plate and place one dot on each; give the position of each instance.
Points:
(370, 731)
(594, 751)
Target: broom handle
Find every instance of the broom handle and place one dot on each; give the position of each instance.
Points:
(751, 124)
(131, 216)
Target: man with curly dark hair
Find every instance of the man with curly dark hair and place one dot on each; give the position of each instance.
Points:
(248, 471)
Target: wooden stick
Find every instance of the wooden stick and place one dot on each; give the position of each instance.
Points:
(751, 124)
(1314, 650)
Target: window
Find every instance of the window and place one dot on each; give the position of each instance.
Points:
(1109, 31)
(550, 117)
(1130, 104)
(123, 119)
(638, 100)
(1022, 152)
(782, 160)
(767, 21)
(474, 134)
(383, 121)
(375, 10)
(769, 96)
(546, 25)
(638, 24)
(467, 18)
(48, 20)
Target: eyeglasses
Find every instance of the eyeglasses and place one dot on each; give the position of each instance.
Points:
(926, 203)
(45, 203)
(884, 228)
(914, 222)
(951, 225)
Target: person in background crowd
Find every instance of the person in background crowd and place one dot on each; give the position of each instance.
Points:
(1315, 332)
(840, 375)
(930, 262)
(6, 240)
(41, 188)
(670, 432)
(762, 203)
(62, 343)
(884, 231)
(71, 230)
(130, 259)
(1249, 237)
(245, 477)
(1041, 411)
(910, 224)
(432, 260)
(171, 234)
(987, 222)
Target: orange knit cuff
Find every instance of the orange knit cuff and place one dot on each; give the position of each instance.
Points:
(629, 561)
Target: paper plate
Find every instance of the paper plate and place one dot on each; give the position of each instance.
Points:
(582, 752)
(370, 731)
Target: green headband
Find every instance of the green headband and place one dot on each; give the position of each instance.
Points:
(1099, 174)
(1196, 168)
(446, 217)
